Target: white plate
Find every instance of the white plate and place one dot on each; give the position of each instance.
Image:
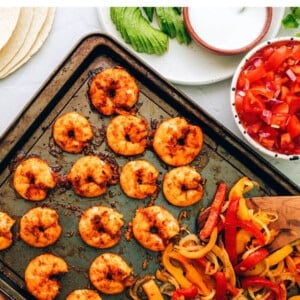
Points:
(190, 65)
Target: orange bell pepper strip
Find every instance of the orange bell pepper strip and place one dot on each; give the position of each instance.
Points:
(191, 273)
(292, 267)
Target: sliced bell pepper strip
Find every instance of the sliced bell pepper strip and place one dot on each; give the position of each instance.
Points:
(260, 269)
(230, 229)
(253, 229)
(175, 271)
(152, 290)
(280, 254)
(292, 267)
(188, 293)
(252, 260)
(191, 273)
(202, 251)
(242, 186)
(215, 211)
(259, 281)
(221, 253)
(243, 237)
(221, 286)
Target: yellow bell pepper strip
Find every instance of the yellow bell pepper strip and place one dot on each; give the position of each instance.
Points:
(258, 281)
(189, 293)
(152, 290)
(279, 255)
(214, 211)
(221, 253)
(259, 269)
(296, 297)
(191, 273)
(175, 271)
(253, 229)
(230, 229)
(251, 260)
(241, 187)
(133, 291)
(202, 251)
(242, 240)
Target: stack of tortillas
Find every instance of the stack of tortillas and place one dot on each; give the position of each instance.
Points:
(23, 30)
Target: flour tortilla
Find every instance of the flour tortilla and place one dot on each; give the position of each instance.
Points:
(8, 21)
(14, 44)
(38, 33)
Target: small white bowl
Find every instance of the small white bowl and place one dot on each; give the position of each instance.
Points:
(227, 30)
(237, 93)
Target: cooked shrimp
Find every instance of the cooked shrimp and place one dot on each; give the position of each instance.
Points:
(83, 294)
(6, 236)
(110, 273)
(72, 132)
(153, 227)
(100, 226)
(113, 90)
(90, 176)
(40, 276)
(177, 142)
(138, 179)
(33, 178)
(127, 135)
(183, 186)
(40, 227)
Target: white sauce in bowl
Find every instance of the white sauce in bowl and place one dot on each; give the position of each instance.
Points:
(228, 27)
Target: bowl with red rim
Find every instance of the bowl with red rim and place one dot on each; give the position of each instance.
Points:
(265, 97)
(227, 30)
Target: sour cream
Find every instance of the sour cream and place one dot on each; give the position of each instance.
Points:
(229, 28)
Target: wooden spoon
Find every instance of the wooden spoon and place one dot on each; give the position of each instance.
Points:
(288, 223)
(286, 207)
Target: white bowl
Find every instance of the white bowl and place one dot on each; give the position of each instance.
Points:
(240, 89)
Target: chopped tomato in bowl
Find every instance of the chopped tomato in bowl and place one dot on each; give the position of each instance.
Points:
(265, 97)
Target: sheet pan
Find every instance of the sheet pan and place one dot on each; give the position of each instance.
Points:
(224, 157)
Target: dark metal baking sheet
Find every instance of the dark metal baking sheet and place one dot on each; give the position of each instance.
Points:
(224, 157)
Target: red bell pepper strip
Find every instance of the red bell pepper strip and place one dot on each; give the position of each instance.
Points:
(253, 229)
(230, 229)
(215, 211)
(190, 292)
(259, 281)
(252, 260)
(234, 291)
(221, 286)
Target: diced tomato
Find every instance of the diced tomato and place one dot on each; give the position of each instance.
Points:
(277, 57)
(254, 128)
(279, 120)
(295, 105)
(256, 71)
(293, 126)
(296, 52)
(252, 103)
(286, 142)
(281, 108)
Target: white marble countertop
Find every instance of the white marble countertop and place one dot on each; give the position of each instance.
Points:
(71, 24)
